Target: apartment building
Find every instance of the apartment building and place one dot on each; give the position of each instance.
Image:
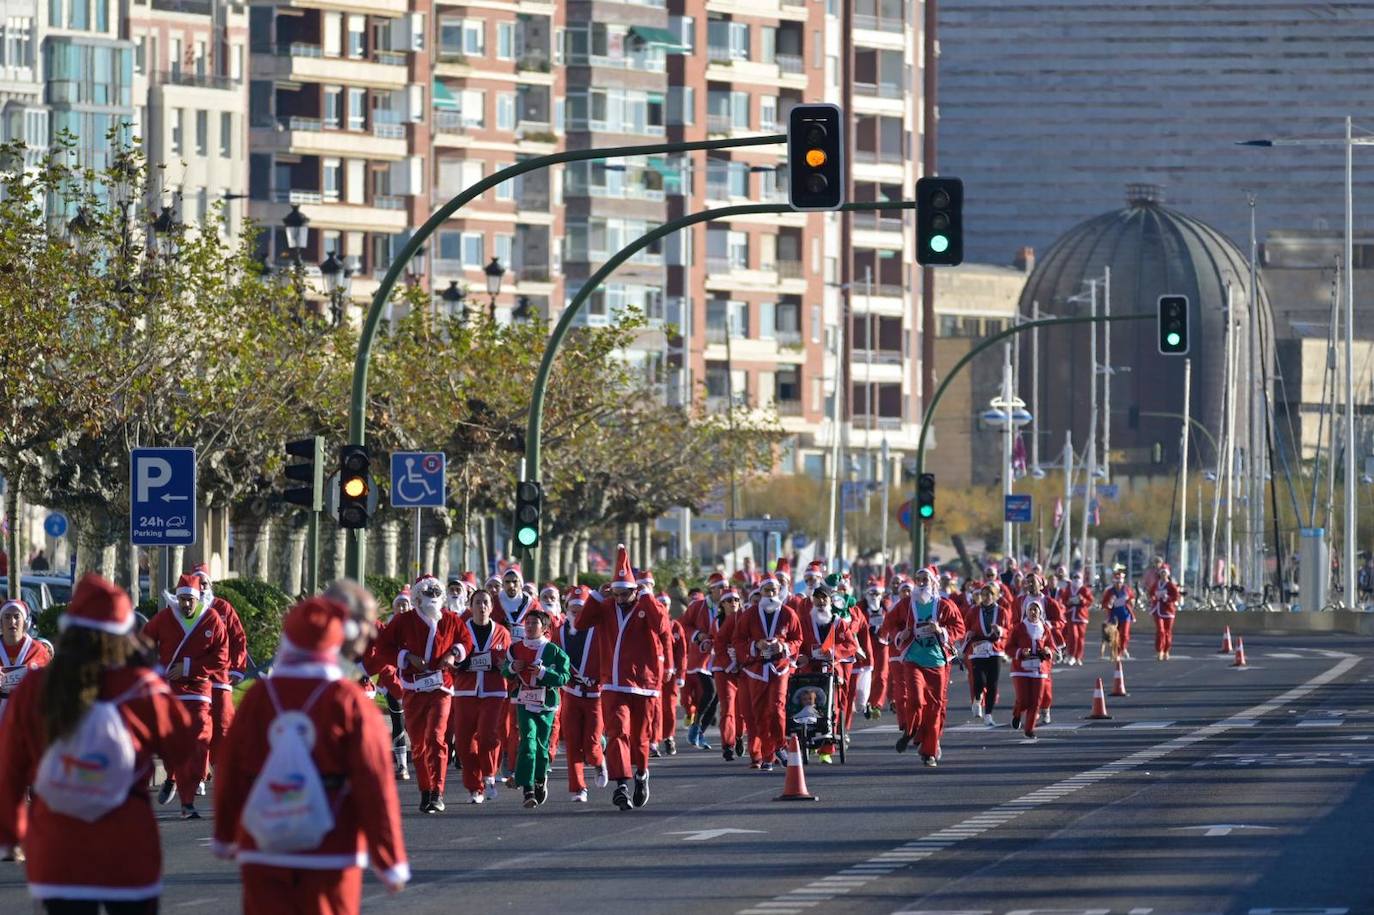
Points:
(23, 116)
(87, 74)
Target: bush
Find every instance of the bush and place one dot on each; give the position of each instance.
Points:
(44, 622)
(261, 606)
(385, 588)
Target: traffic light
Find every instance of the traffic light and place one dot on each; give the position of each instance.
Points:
(309, 470)
(939, 222)
(925, 497)
(1173, 325)
(355, 485)
(815, 157)
(528, 496)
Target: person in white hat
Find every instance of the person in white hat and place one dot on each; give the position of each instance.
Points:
(19, 652)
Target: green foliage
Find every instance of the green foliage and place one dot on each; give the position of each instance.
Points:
(44, 622)
(385, 588)
(260, 606)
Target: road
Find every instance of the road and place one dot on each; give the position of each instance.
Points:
(1212, 789)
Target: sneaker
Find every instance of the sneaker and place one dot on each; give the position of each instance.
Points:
(728, 753)
(493, 790)
(603, 778)
(929, 762)
(403, 772)
(654, 752)
(739, 746)
(477, 797)
(436, 802)
(165, 793)
(531, 801)
(578, 797)
(670, 746)
(702, 743)
(987, 719)
(1015, 722)
(1126, 655)
(767, 767)
(755, 764)
(780, 756)
(641, 792)
(977, 710)
(693, 735)
(1031, 736)
(903, 742)
(621, 798)
(1045, 719)
(541, 792)
(424, 801)
(877, 712)
(200, 788)
(189, 812)
(824, 758)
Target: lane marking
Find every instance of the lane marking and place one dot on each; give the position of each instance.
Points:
(841, 882)
(1148, 726)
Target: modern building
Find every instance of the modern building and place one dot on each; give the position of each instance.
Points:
(88, 73)
(1049, 109)
(23, 114)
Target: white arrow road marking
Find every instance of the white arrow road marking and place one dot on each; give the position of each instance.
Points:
(705, 835)
(1219, 829)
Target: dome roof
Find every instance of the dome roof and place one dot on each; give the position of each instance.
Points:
(1150, 250)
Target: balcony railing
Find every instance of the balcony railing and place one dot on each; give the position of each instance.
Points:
(881, 222)
(876, 356)
(538, 63)
(390, 58)
(300, 49)
(289, 195)
(724, 265)
(885, 423)
(533, 273)
(718, 54)
(721, 123)
(717, 190)
(790, 270)
(648, 63)
(388, 202)
(449, 122)
(881, 90)
(788, 407)
(200, 81)
(791, 63)
(788, 337)
(294, 122)
(388, 130)
(877, 23)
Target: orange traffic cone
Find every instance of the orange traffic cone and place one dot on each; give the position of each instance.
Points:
(1226, 642)
(1240, 654)
(794, 789)
(1099, 704)
(1119, 681)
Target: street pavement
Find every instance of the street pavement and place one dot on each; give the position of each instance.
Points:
(1212, 789)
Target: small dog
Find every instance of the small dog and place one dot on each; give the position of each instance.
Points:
(1111, 640)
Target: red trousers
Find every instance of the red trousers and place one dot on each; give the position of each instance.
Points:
(1075, 637)
(221, 717)
(581, 720)
(476, 726)
(665, 712)
(427, 725)
(729, 711)
(293, 891)
(1164, 633)
(1124, 628)
(768, 729)
(927, 691)
(1031, 693)
(626, 717)
(899, 686)
(196, 766)
(690, 697)
(877, 690)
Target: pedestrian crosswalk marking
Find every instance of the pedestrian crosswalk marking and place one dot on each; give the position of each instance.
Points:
(1148, 725)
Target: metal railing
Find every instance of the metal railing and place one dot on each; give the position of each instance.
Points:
(790, 270)
(388, 202)
(886, 423)
(295, 122)
(788, 407)
(199, 80)
(879, 23)
(718, 54)
(449, 122)
(724, 265)
(881, 222)
(787, 337)
(876, 356)
(881, 90)
(289, 195)
(388, 130)
(791, 63)
(390, 58)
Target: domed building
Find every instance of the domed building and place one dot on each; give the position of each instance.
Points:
(1150, 251)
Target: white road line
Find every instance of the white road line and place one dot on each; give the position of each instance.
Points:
(1321, 722)
(1148, 725)
(949, 836)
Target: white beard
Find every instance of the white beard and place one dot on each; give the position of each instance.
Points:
(874, 602)
(551, 607)
(431, 608)
(1036, 629)
(822, 616)
(457, 604)
(923, 595)
(769, 604)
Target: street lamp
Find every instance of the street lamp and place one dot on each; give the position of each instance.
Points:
(338, 278)
(494, 272)
(524, 310)
(417, 266)
(164, 232)
(297, 226)
(452, 298)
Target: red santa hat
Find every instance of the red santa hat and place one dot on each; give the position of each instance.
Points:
(644, 577)
(19, 605)
(99, 604)
(814, 567)
(514, 569)
(729, 594)
(717, 580)
(202, 571)
(929, 572)
(739, 578)
(425, 578)
(767, 580)
(469, 579)
(315, 626)
(188, 586)
(875, 585)
(578, 596)
(493, 581)
(623, 577)
(403, 596)
(783, 569)
(549, 588)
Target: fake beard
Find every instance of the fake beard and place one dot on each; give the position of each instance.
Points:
(924, 594)
(431, 608)
(457, 603)
(769, 604)
(822, 615)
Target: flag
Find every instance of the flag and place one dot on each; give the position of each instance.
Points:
(1094, 515)
(1058, 511)
(1018, 457)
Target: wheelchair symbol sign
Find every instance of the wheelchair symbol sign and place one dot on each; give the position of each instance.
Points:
(417, 479)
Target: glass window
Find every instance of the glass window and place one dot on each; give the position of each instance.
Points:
(505, 111)
(55, 14)
(226, 135)
(472, 249)
(202, 132)
(357, 108)
(739, 41)
(331, 179)
(767, 321)
(768, 53)
(79, 14)
(450, 245)
(505, 40)
(333, 107)
(178, 128)
(474, 37)
(102, 15)
(739, 110)
(357, 35)
(472, 106)
(506, 189)
(502, 245)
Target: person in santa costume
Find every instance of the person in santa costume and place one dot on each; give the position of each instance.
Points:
(715, 637)
(663, 729)
(374, 664)
(827, 645)
(1032, 650)
(456, 595)
(193, 653)
(349, 748)
(222, 687)
(479, 700)
(991, 573)
(114, 860)
(698, 625)
(1077, 599)
(537, 669)
(1052, 612)
(1164, 607)
(427, 646)
(633, 640)
(579, 714)
(512, 603)
(767, 641)
(923, 629)
(898, 677)
(987, 627)
(1117, 601)
(19, 652)
(875, 605)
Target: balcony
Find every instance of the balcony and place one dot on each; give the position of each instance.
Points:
(788, 338)
(724, 265)
(311, 137)
(876, 357)
(878, 221)
(388, 202)
(199, 81)
(313, 125)
(884, 423)
(791, 64)
(450, 122)
(390, 58)
(717, 54)
(788, 407)
(878, 23)
(189, 7)
(881, 90)
(790, 270)
(389, 130)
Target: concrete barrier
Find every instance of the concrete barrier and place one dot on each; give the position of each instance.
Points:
(1259, 622)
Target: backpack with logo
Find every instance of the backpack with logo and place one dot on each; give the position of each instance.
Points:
(287, 809)
(89, 772)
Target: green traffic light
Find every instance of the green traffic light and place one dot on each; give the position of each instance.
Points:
(1173, 339)
(939, 244)
(527, 536)
(927, 511)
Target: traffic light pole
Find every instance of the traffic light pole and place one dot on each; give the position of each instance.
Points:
(312, 554)
(918, 527)
(354, 555)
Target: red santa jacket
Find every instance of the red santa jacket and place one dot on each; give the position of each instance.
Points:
(696, 626)
(899, 621)
(1078, 604)
(677, 661)
(238, 644)
(754, 626)
(484, 684)
(119, 856)
(352, 752)
(634, 644)
(584, 656)
(191, 659)
(722, 636)
(1024, 652)
(979, 632)
(1164, 600)
(814, 636)
(15, 664)
(1053, 611)
(862, 629)
(412, 634)
(382, 667)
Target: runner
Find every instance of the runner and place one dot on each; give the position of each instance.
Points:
(827, 643)
(698, 625)
(1117, 601)
(923, 629)
(1032, 647)
(719, 645)
(988, 626)
(1077, 598)
(537, 669)
(19, 652)
(580, 713)
(222, 686)
(767, 641)
(479, 700)
(1164, 607)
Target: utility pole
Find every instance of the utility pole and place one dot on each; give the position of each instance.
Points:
(1092, 437)
(1067, 537)
(1183, 475)
(1008, 427)
(1351, 526)
(1107, 375)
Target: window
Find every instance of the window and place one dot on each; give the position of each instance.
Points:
(357, 35)
(226, 135)
(202, 204)
(474, 37)
(767, 321)
(506, 189)
(333, 34)
(502, 245)
(768, 112)
(202, 132)
(140, 53)
(329, 242)
(102, 16)
(174, 57)
(684, 27)
(739, 110)
(505, 40)
(79, 16)
(355, 184)
(178, 130)
(200, 59)
(357, 108)
(331, 179)
(681, 106)
(472, 105)
(472, 249)
(815, 324)
(333, 107)
(505, 110)
(236, 62)
(450, 245)
(769, 52)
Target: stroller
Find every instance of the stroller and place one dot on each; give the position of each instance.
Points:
(813, 712)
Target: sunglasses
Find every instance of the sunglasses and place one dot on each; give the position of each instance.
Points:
(431, 592)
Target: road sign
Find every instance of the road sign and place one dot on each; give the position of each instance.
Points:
(707, 526)
(1109, 491)
(904, 515)
(852, 496)
(55, 525)
(162, 502)
(417, 479)
(758, 525)
(1018, 509)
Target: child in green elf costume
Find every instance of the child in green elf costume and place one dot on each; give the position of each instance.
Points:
(537, 668)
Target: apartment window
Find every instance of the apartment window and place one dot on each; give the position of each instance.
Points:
(140, 53)
(834, 63)
(236, 62)
(505, 42)
(502, 246)
(178, 130)
(174, 57)
(739, 41)
(202, 132)
(202, 204)
(815, 324)
(768, 111)
(817, 50)
(355, 181)
(200, 59)
(681, 105)
(684, 27)
(768, 53)
(330, 240)
(506, 189)
(333, 34)
(55, 14)
(357, 108)
(102, 16)
(357, 35)
(767, 321)
(739, 110)
(737, 249)
(331, 179)
(450, 245)
(472, 106)
(474, 37)
(472, 250)
(505, 111)
(226, 135)
(333, 107)
(79, 14)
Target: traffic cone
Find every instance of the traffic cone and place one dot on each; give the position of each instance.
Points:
(1099, 704)
(1119, 681)
(794, 789)
(1226, 642)
(1240, 654)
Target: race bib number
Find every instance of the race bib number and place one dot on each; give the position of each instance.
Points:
(10, 677)
(925, 631)
(480, 661)
(430, 681)
(984, 650)
(532, 699)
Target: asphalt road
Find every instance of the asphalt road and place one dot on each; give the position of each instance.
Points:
(1211, 790)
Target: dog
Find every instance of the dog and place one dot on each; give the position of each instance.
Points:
(1111, 641)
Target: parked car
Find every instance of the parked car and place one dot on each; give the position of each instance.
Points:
(34, 592)
(59, 586)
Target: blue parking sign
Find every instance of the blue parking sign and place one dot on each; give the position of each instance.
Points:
(1018, 509)
(162, 496)
(417, 479)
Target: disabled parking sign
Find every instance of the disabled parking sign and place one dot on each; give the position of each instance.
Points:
(417, 479)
